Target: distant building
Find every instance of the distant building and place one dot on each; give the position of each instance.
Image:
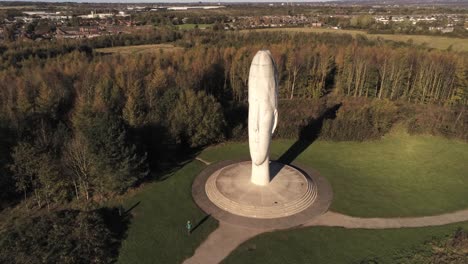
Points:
(76, 33)
(316, 24)
(400, 19)
(447, 30)
(97, 15)
(45, 15)
(122, 14)
(178, 8)
(442, 29)
(436, 28)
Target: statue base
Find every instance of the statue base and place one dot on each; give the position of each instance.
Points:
(288, 192)
(294, 195)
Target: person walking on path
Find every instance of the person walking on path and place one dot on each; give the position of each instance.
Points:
(189, 227)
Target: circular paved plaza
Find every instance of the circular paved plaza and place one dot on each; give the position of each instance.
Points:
(294, 195)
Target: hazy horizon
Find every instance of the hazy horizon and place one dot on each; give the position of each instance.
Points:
(208, 2)
(178, 1)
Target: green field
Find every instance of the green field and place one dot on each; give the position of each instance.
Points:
(399, 175)
(339, 245)
(438, 42)
(138, 49)
(192, 26)
(157, 231)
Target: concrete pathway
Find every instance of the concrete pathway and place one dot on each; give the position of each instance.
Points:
(221, 242)
(340, 220)
(228, 237)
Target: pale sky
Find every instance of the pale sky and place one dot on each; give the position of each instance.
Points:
(170, 1)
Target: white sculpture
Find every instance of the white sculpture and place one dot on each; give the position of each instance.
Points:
(263, 114)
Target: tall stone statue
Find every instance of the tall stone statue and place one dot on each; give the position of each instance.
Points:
(246, 189)
(263, 113)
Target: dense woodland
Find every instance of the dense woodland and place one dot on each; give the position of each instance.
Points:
(81, 126)
(64, 236)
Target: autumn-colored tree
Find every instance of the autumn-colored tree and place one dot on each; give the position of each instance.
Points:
(134, 111)
(197, 119)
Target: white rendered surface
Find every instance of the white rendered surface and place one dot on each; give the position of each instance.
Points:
(263, 114)
(288, 193)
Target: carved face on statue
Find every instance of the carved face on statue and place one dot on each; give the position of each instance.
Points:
(263, 114)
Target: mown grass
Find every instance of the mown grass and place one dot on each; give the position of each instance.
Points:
(437, 42)
(138, 49)
(157, 233)
(400, 175)
(339, 245)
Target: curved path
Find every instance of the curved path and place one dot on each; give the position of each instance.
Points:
(341, 220)
(221, 242)
(228, 237)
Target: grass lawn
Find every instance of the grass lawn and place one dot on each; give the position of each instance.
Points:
(400, 175)
(339, 245)
(157, 231)
(192, 26)
(137, 49)
(438, 42)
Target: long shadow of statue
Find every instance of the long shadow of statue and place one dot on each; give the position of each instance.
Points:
(307, 136)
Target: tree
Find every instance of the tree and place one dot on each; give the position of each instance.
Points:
(52, 186)
(157, 83)
(240, 74)
(197, 119)
(47, 100)
(78, 160)
(66, 236)
(37, 171)
(134, 111)
(7, 182)
(24, 166)
(107, 95)
(294, 66)
(363, 21)
(115, 163)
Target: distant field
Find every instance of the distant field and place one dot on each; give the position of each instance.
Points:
(192, 26)
(152, 48)
(458, 44)
(18, 7)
